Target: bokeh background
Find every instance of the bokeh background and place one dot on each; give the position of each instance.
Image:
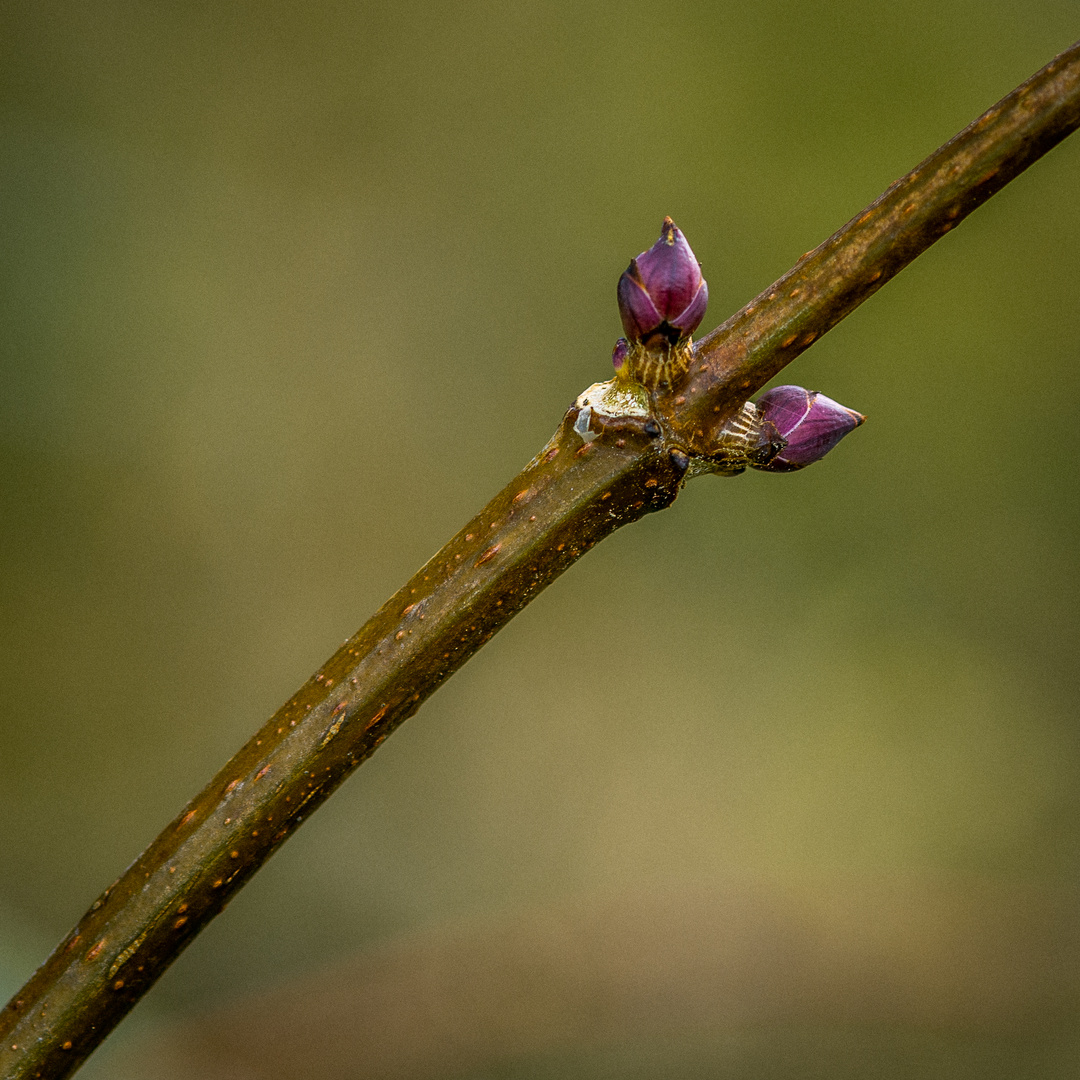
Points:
(290, 290)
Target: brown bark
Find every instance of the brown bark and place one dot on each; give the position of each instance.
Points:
(570, 497)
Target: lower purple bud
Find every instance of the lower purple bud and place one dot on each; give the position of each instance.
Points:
(810, 423)
(620, 353)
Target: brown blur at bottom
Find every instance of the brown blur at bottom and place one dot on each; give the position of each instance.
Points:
(891, 978)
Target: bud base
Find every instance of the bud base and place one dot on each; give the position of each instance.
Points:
(659, 364)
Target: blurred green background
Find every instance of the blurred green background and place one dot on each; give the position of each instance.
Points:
(290, 290)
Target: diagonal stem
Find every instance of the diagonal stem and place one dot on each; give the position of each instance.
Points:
(828, 283)
(568, 498)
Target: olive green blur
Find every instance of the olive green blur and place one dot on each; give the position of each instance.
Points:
(290, 291)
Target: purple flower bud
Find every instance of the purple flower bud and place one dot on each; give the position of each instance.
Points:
(810, 423)
(662, 293)
(620, 353)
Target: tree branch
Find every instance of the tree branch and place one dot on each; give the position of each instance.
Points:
(572, 495)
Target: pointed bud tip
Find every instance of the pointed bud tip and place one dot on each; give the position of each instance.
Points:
(811, 423)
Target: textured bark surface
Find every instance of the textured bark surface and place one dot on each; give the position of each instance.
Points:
(571, 496)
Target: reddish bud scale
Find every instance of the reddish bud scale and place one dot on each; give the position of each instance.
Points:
(620, 353)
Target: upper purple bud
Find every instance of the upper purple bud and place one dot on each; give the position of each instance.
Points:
(662, 292)
(811, 423)
(620, 353)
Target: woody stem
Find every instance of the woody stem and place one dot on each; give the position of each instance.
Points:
(569, 498)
